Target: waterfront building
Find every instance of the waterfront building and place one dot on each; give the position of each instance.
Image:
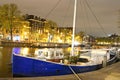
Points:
(48, 30)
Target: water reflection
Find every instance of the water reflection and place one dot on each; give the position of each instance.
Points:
(6, 58)
(5, 62)
(0, 58)
(21, 51)
(16, 50)
(24, 51)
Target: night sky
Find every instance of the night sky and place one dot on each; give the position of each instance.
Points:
(96, 18)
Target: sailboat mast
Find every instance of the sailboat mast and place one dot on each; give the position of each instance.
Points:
(74, 24)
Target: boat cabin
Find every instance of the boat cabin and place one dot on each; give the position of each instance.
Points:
(49, 54)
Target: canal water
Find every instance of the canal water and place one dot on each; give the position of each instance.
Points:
(6, 59)
(5, 62)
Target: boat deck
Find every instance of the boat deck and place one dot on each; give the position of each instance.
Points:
(111, 72)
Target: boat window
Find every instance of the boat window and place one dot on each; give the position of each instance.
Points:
(46, 54)
(40, 52)
(57, 54)
(61, 54)
(51, 55)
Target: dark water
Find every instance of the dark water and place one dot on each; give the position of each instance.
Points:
(5, 62)
(6, 59)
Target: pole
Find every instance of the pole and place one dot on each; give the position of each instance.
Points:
(74, 24)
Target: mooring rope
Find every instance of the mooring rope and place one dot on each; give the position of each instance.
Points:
(74, 73)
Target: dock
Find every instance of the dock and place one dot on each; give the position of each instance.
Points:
(111, 72)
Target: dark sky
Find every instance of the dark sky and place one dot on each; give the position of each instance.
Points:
(105, 11)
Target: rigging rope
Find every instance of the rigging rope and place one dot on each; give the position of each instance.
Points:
(95, 17)
(85, 21)
(74, 73)
(67, 11)
(53, 8)
(82, 13)
(87, 18)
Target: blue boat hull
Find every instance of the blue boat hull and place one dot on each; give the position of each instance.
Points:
(25, 66)
(32, 67)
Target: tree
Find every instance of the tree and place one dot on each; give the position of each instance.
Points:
(81, 34)
(9, 13)
(50, 29)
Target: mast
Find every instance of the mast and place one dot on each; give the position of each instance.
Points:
(74, 24)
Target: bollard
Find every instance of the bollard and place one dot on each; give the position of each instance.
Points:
(104, 63)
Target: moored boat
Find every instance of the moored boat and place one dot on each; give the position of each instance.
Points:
(50, 64)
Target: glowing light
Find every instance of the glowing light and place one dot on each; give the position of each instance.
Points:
(25, 33)
(60, 41)
(76, 43)
(25, 51)
(16, 38)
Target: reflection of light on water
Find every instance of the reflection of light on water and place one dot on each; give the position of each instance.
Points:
(0, 59)
(16, 50)
(0, 55)
(1, 47)
(24, 51)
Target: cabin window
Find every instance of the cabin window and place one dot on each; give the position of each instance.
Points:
(61, 54)
(57, 54)
(40, 52)
(51, 55)
(46, 54)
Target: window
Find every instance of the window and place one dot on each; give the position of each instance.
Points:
(46, 54)
(40, 52)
